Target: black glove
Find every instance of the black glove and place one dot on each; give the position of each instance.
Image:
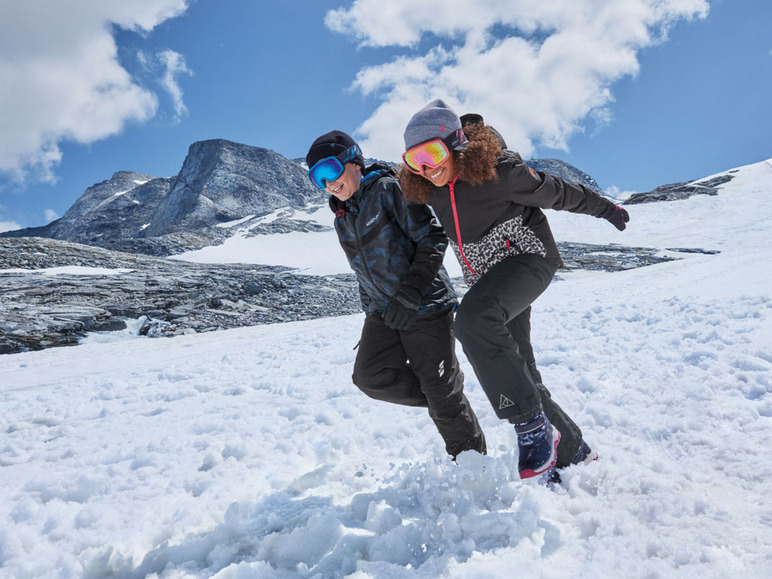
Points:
(402, 309)
(616, 215)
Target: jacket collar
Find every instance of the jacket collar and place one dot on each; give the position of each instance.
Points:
(372, 174)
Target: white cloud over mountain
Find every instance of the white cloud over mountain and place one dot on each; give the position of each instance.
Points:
(61, 78)
(536, 70)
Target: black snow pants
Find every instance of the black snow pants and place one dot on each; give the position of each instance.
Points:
(493, 324)
(419, 367)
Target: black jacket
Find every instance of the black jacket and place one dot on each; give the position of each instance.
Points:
(501, 218)
(389, 242)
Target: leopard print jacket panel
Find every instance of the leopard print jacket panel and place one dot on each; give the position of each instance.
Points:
(503, 241)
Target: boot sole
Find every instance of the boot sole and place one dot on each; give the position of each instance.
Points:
(528, 473)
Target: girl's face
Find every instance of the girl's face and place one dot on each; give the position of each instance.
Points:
(442, 174)
(347, 184)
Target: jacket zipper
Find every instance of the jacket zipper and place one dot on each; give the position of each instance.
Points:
(455, 219)
(361, 247)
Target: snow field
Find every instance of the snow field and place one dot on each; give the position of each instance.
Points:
(248, 453)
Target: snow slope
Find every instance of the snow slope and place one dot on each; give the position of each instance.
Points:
(249, 453)
(314, 253)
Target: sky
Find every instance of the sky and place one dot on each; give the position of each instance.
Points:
(248, 453)
(637, 93)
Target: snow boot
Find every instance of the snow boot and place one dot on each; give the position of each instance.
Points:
(585, 455)
(537, 441)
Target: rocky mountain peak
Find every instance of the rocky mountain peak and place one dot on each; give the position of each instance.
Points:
(221, 181)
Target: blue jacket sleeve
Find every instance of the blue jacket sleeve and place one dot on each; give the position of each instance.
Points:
(421, 226)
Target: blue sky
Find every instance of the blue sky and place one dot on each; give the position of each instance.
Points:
(637, 93)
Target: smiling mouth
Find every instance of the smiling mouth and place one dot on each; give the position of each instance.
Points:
(436, 174)
(337, 190)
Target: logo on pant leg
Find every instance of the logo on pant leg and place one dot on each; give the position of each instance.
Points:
(441, 369)
(505, 402)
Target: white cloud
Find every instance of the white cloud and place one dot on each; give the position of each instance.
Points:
(61, 79)
(536, 70)
(51, 215)
(174, 65)
(9, 226)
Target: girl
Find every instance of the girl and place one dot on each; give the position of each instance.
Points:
(489, 203)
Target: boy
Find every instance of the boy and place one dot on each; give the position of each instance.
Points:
(407, 349)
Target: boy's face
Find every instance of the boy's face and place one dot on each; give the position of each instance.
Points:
(347, 184)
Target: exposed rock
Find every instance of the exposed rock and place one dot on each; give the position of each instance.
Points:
(40, 310)
(678, 191)
(564, 170)
(611, 257)
(694, 250)
(222, 181)
(108, 212)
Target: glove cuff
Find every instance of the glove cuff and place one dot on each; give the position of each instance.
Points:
(608, 211)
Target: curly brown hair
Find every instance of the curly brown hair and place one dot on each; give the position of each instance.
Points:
(475, 164)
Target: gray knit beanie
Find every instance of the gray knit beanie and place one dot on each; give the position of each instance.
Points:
(435, 121)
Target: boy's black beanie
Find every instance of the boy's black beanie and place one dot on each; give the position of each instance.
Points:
(332, 144)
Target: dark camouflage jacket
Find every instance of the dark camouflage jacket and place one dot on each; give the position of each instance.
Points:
(501, 218)
(389, 242)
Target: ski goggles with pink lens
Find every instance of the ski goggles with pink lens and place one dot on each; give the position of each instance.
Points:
(329, 169)
(433, 153)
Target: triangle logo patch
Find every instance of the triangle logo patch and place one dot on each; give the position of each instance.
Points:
(505, 402)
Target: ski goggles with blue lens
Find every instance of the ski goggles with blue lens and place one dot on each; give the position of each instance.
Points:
(329, 169)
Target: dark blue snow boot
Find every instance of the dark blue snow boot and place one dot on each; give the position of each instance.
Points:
(585, 455)
(537, 441)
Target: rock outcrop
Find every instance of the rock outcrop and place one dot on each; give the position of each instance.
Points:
(678, 191)
(53, 293)
(103, 290)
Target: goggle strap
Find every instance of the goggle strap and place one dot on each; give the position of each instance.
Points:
(349, 154)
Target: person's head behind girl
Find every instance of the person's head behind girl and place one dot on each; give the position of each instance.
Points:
(335, 164)
(437, 150)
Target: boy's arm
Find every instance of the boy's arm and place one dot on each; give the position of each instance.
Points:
(420, 225)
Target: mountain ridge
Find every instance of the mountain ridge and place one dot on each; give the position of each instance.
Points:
(220, 181)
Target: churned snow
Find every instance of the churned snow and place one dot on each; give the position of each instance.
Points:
(249, 453)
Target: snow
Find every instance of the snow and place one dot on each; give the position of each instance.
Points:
(117, 194)
(314, 253)
(235, 222)
(249, 453)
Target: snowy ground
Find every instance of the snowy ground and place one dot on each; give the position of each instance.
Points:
(249, 453)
